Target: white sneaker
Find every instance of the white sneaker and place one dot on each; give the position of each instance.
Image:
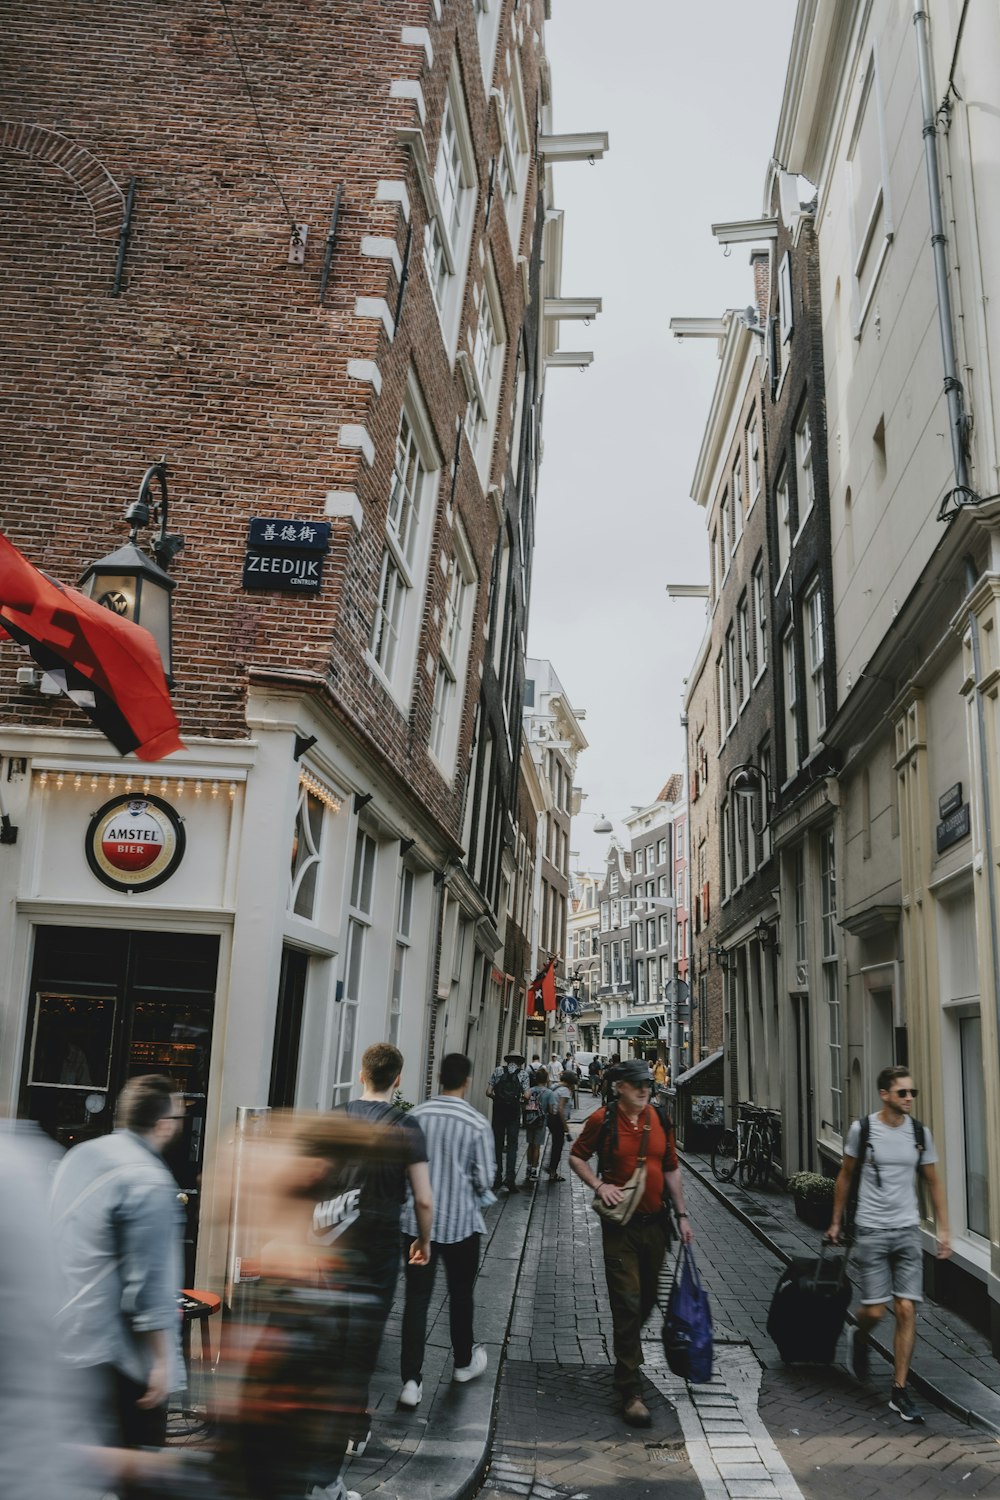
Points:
(412, 1393)
(357, 1444)
(475, 1367)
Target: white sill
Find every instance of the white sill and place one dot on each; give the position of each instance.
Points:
(781, 381)
(760, 675)
(386, 682)
(753, 501)
(781, 579)
(802, 523)
(446, 775)
(739, 540)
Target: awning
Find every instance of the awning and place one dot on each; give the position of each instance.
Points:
(631, 1026)
(685, 1078)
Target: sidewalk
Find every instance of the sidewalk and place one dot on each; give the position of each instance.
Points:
(440, 1450)
(954, 1364)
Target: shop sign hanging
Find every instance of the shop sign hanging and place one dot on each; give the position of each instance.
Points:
(135, 843)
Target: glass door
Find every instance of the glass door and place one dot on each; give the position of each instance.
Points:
(106, 1006)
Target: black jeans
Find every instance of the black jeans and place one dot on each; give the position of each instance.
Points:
(557, 1132)
(633, 1255)
(506, 1130)
(379, 1262)
(461, 1262)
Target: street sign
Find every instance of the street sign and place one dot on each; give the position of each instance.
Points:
(285, 557)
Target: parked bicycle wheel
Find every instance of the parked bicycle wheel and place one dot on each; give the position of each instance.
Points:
(724, 1156)
(749, 1163)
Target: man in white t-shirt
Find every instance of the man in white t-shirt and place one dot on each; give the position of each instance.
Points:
(887, 1247)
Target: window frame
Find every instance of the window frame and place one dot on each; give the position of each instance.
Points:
(453, 653)
(450, 219)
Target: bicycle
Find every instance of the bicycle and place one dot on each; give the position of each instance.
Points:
(743, 1150)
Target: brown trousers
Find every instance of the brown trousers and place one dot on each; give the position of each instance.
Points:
(633, 1255)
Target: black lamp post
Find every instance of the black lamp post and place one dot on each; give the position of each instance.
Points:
(129, 582)
(748, 781)
(766, 935)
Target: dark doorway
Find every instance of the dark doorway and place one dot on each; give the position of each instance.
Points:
(106, 1006)
(288, 1027)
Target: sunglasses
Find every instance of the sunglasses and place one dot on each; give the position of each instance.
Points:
(906, 1093)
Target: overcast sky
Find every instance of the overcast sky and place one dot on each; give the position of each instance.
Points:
(689, 94)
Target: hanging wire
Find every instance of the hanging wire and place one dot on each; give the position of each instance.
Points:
(260, 123)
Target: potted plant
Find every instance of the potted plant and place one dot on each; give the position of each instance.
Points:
(813, 1195)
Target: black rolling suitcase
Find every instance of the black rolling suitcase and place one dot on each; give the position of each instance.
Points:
(809, 1306)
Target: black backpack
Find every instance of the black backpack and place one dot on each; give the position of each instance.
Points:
(848, 1226)
(507, 1090)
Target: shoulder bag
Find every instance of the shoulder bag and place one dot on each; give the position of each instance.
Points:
(632, 1190)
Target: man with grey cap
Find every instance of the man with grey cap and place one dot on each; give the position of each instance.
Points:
(509, 1088)
(628, 1128)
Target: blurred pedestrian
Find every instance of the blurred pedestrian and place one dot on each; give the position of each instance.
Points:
(609, 1076)
(509, 1088)
(286, 1397)
(34, 1412)
(535, 1115)
(660, 1075)
(595, 1070)
(117, 1227)
(560, 1105)
(460, 1157)
(365, 1210)
(571, 1078)
(633, 1252)
(534, 1068)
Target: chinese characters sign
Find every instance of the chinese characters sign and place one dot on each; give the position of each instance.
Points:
(285, 556)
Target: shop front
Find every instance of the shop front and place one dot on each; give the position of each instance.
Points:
(638, 1034)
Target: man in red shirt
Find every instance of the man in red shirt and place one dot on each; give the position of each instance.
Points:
(633, 1252)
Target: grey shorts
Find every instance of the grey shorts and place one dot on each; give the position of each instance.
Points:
(889, 1263)
(536, 1132)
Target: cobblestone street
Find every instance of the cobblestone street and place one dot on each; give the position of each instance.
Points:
(760, 1430)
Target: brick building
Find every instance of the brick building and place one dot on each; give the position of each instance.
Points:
(335, 319)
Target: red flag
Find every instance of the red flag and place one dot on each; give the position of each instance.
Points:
(549, 986)
(109, 666)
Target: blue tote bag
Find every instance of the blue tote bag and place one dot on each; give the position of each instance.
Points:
(687, 1327)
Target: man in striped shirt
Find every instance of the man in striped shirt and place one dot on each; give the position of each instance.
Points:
(461, 1162)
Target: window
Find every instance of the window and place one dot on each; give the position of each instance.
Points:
(305, 853)
(743, 631)
(816, 702)
(791, 703)
(616, 963)
(650, 932)
(722, 706)
(727, 550)
(713, 567)
(404, 913)
(614, 882)
(679, 837)
(448, 233)
(663, 885)
(449, 683)
(831, 981)
(640, 977)
(488, 13)
(661, 850)
(358, 924)
(408, 528)
(680, 890)
(801, 923)
(783, 521)
(759, 617)
(974, 1111)
(529, 692)
(639, 867)
(804, 465)
(733, 675)
(485, 372)
(703, 1046)
(753, 458)
(512, 162)
(727, 850)
(664, 931)
(870, 214)
(737, 501)
(606, 964)
(785, 309)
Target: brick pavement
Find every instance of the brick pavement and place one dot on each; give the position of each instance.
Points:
(836, 1437)
(558, 1432)
(953, 1365)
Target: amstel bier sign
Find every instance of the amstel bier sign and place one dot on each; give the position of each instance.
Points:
(135, 843)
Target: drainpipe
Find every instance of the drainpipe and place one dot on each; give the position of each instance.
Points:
(957, 426)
